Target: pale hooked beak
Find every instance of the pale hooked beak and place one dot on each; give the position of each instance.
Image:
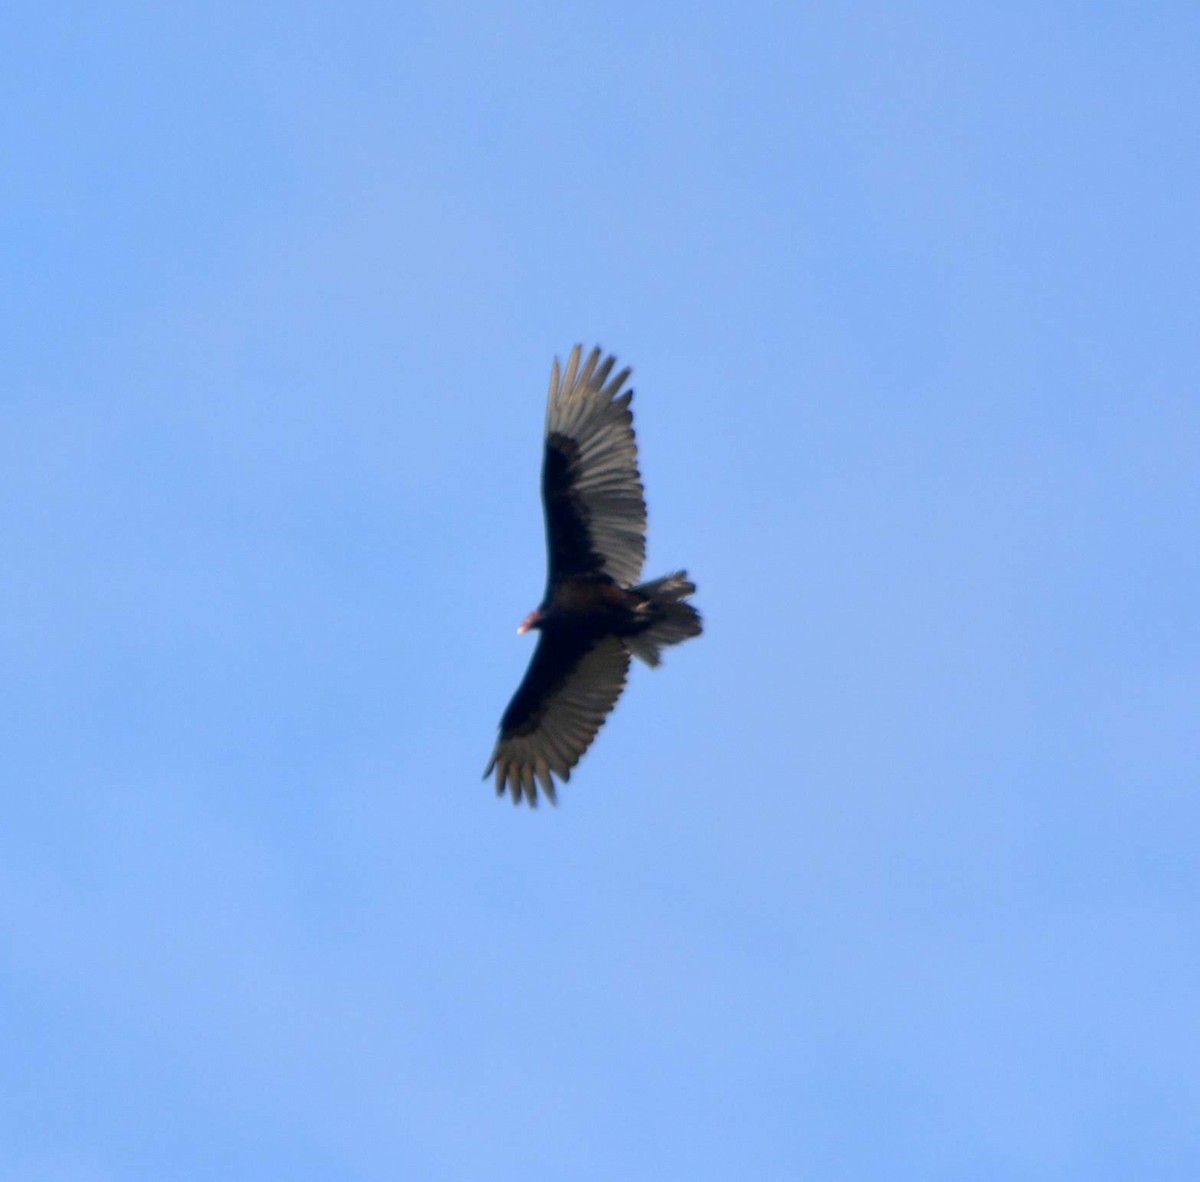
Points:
(528, 622)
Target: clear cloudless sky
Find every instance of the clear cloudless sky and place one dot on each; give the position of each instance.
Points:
(893, 874)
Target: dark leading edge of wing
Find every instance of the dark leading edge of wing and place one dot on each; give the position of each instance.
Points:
(567, 692)
(591, 490)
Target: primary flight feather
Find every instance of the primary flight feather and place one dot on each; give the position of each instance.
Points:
(593, 617)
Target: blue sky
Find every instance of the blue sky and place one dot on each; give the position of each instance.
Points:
(891, 875)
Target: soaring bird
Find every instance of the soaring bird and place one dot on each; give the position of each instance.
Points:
(594, 615)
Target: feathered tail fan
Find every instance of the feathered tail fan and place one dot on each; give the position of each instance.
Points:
(673, 619)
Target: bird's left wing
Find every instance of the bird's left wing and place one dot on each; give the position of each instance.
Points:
(567, 692)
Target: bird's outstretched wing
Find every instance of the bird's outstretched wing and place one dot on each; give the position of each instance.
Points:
(569, 688)
(591, 490)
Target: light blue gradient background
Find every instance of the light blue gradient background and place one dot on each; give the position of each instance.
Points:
(892, 875)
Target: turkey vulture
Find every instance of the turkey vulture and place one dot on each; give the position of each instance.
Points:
(592, 618)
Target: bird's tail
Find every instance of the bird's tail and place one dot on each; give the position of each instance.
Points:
(672, 619)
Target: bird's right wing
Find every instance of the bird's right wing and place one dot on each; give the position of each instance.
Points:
(564, 698)
(591, 489)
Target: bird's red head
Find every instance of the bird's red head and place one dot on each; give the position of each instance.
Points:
(530, 621)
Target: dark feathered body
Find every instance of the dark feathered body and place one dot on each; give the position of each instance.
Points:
(597, 606)
(592, 618)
